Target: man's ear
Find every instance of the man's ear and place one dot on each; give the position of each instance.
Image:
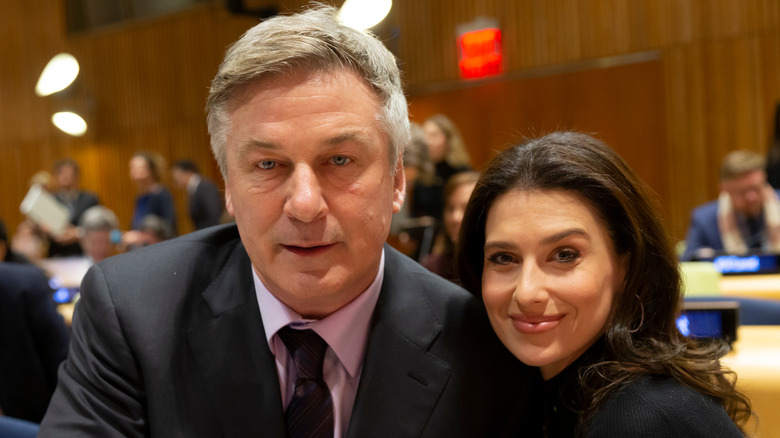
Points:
(228, 201)
(399, 185)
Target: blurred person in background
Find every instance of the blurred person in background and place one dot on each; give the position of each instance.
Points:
(30, 239)
(146, 172)
(152, 229)
(441, 260)
(33, 342)
(99, 233)
(44, 179)
(773, 153)
(407, 231)
(206, 206)
(449, 156)
(7, 254)
(29, 242)
(68, 176)
(744, 219)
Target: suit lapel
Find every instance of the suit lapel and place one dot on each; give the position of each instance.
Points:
(401, 382)
(235, 363)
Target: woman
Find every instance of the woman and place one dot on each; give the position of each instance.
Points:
(448, 154)
(441, 260)
(146, 171)
(579, 278)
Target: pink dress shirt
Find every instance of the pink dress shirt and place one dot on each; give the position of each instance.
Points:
(345, 331)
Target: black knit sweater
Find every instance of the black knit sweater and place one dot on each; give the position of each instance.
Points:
(649, 407)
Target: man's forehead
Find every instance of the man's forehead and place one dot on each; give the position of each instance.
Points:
(310, 77)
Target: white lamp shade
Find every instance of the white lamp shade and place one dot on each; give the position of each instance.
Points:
(364, 14)
(70, 123)
(60, 72)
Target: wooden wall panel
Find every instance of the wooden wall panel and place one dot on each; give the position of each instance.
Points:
(591, 100)
(143, 84)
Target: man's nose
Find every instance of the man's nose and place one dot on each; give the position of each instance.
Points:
(305, 201)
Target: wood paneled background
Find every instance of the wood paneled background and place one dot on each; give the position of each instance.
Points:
(673, 85)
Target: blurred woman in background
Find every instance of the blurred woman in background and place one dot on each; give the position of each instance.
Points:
(441, 260)
(449, 156)
(146, 172)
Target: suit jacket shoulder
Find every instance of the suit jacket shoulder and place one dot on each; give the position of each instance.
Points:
(168, 342)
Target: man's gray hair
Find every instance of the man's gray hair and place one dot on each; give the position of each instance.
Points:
(313, 40)
(98, 218)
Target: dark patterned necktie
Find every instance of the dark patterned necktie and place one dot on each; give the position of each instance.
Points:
(310, 412)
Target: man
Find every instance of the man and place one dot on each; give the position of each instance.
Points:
(205, 202)
(152, 229)
(33, 341)
(69, 193)
(6, 253)
(192, 337)
(99, 233)
(745, 217)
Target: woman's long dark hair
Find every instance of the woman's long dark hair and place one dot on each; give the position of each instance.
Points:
(641, 336)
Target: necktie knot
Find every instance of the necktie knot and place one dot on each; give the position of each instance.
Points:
(307, 350)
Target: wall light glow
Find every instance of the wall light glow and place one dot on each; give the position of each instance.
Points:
(364, 14)
(70, 123)
(60, 72)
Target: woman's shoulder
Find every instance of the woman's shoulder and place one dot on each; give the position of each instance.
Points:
(660, 407)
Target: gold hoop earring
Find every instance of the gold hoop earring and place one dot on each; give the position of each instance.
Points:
(642, 320)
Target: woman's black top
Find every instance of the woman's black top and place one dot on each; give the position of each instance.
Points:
(650, 406)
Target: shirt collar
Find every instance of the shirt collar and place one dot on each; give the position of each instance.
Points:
(192, 184)
(345, 331)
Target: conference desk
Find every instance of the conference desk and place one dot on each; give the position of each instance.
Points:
(755, 358)
(765, 286)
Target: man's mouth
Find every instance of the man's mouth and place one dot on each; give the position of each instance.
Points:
(308, 250)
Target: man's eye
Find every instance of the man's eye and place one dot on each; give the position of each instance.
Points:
(340, 160)
(267, 164)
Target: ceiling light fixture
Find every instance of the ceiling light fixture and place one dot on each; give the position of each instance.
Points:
(70, 123)
(60, 72)
(364, 14)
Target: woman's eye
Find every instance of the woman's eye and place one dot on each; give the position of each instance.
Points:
(567, 255)
(500, 258)
(340, 160)
(267, 164)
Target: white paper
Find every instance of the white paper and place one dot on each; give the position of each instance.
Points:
(44, 209)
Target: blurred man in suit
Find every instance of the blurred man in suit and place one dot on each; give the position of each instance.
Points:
(298, 317)
(745, 217)
(205, 202)
(7, 254)
(68, 176)
(33, 342)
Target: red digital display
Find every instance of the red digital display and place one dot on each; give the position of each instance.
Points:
(480, 53)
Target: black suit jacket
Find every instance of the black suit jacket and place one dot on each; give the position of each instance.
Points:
(33, 342)
(168, 341)
(205, 205)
